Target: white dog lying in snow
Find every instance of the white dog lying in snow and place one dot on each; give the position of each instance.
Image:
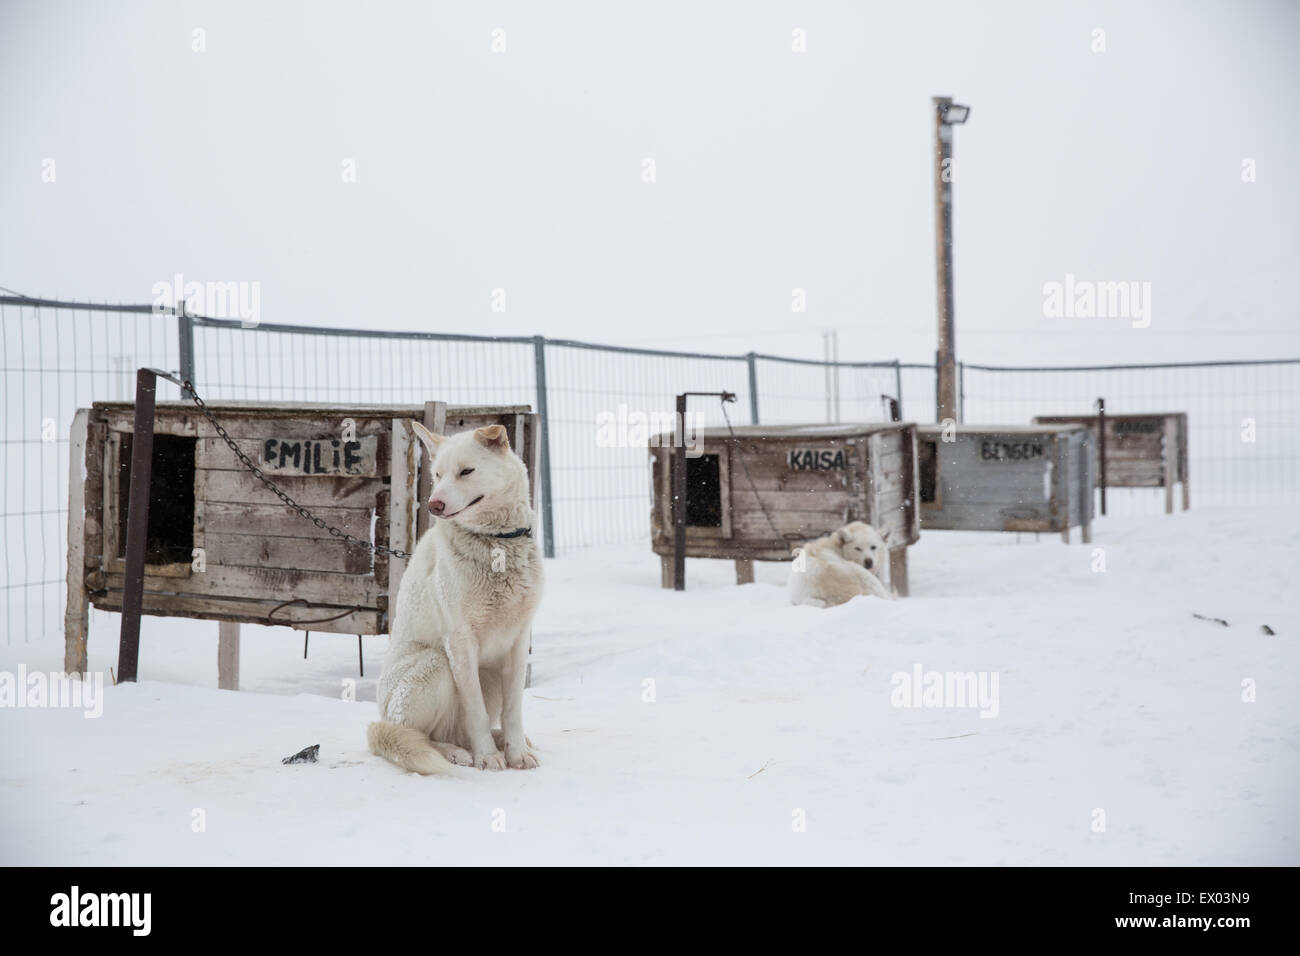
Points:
(840, 566)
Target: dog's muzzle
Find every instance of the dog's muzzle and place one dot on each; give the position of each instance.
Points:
(866, 563)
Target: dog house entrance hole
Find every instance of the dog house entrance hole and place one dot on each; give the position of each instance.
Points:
(170, 539)
(704, 492)
(928, 453)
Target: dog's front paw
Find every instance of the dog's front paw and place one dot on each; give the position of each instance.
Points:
(490, 761)
(521, 758)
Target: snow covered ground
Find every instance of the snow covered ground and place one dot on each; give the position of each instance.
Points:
(1111, 699)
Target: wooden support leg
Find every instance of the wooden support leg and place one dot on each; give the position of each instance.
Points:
(744, 571)
(76, 619)
(76, 626)
(1187, 496)
(898, 571)
(227, 655)
(1065, 534)
(1170, 462)
(666, 570)
(1086, 531)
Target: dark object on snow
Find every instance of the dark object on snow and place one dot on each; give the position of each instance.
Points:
(1266, 629)
(306, 755)
(1212, 620)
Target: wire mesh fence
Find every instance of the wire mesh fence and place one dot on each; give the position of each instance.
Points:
(1243, 419)
(602, 405)
(54, 361)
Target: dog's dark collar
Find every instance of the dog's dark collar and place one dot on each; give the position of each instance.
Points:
(517, 533)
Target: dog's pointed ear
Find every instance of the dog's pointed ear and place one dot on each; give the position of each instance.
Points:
(884, 535)
(493, 436)
(431, 441)
(842, 536)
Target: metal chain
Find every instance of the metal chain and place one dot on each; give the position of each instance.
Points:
(350, 540)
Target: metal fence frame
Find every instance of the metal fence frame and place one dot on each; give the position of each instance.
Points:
(812, 386)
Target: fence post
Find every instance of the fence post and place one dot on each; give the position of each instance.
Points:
(752, 360)
(544, 420)
(185, 337)
(898, 386)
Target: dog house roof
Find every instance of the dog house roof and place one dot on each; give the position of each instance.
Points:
(298, 409)
(1110, 414)
(841, 430)
(1004, 429)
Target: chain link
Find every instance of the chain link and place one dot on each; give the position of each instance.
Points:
(349, 540)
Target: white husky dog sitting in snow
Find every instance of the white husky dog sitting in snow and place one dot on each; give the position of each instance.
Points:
(840, 566)
(459, 647)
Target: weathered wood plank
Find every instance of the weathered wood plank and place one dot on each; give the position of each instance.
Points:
(403, 501)
(1170, 462)
(306, 554)
(807, 482)
(214, 454)
(743, 500)
(279, 521)
(532, 457)
(339, 410)
(112, 481)
(76, 618)
(94, 494)
(242, 487)
(435, 419)
(379, 560)
(806, 524)
(366, 621)
(244, 583)
(241, 425)
(725, 551)
(980, 517)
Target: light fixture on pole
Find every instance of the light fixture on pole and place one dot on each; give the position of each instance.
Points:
(947, 114)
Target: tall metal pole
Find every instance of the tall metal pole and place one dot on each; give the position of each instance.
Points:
(946, 115)
(678, 488)
(137, 525)
(1101, 450)
(679, 498)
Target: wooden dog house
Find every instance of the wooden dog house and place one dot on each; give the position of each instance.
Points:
(1006, 478)
(222, 547)
(1139, 451)
(756, 493)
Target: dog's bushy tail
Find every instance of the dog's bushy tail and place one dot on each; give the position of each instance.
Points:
(406, 747)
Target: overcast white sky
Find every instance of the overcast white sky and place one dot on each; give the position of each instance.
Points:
(776, 170)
